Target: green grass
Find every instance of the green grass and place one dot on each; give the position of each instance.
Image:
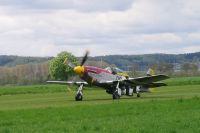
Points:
(150, 117)
(30, 109)
(183, 81)
(33, 89)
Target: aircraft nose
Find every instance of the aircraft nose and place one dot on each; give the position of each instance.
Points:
(79, 70)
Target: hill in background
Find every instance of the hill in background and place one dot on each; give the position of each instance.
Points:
(10, 60)
(17, 70)
(121, 61)
(143, 61)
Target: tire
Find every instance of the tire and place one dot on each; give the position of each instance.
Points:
(79, 97)
(138, 95)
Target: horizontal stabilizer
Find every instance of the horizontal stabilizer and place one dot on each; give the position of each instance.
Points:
(154, 85)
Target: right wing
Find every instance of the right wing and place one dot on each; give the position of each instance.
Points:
(155, 85)
(68, 82)
(148, 79)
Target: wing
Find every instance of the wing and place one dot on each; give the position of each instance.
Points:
(67, 82)
(146, 80)
(154, 85)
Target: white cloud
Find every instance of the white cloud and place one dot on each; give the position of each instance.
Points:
(45, 28)
(194, 36)
(159, 38)
(191, 49)
(191, 8)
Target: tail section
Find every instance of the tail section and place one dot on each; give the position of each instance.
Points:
(150, 72)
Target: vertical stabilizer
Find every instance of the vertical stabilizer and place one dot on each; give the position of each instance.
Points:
(150, 72)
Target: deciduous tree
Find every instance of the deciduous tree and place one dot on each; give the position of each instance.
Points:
(58, 69)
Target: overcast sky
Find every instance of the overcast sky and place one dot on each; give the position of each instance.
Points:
(105, 27)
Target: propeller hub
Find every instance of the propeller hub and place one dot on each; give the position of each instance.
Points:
(79, 70)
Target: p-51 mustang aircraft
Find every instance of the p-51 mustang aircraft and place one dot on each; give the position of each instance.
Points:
(115, 81)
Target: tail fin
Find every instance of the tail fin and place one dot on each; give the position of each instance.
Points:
(150, 72)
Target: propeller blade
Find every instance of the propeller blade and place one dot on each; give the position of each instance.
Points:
(69, 63)
(70, 87)
(69, 90)
(84, 58)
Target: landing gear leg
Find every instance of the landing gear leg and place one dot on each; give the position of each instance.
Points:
(138, 95)
(79, 94)
(138, 91)
(117, 93)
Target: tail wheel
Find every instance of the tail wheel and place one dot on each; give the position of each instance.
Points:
(79, 97)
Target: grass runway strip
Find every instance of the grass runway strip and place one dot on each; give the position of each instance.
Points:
(171, 109)
(180, 115)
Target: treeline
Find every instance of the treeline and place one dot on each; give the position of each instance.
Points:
(10, 60)
(143, 61)
(122, 61)
(33, 73)
(186, 69)
(24, 74)
(36, 69)
(39, 73)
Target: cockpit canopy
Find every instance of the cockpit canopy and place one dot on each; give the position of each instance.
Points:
(114, 70)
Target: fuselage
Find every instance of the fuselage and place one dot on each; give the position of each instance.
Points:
(96, 76)
(101, 77)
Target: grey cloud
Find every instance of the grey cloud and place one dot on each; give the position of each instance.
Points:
(79, 5)
(105, 27)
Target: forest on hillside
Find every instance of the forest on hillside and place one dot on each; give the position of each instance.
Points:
(11, 60)
(143, 61)
(35, 70)
(121, 61)
(38, 73)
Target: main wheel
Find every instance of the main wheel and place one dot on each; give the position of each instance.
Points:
(116, 95)
(79, 97)
(138, 94)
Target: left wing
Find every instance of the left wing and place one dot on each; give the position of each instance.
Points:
(68, 82)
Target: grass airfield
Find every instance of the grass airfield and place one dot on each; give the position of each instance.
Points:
(51, 109)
